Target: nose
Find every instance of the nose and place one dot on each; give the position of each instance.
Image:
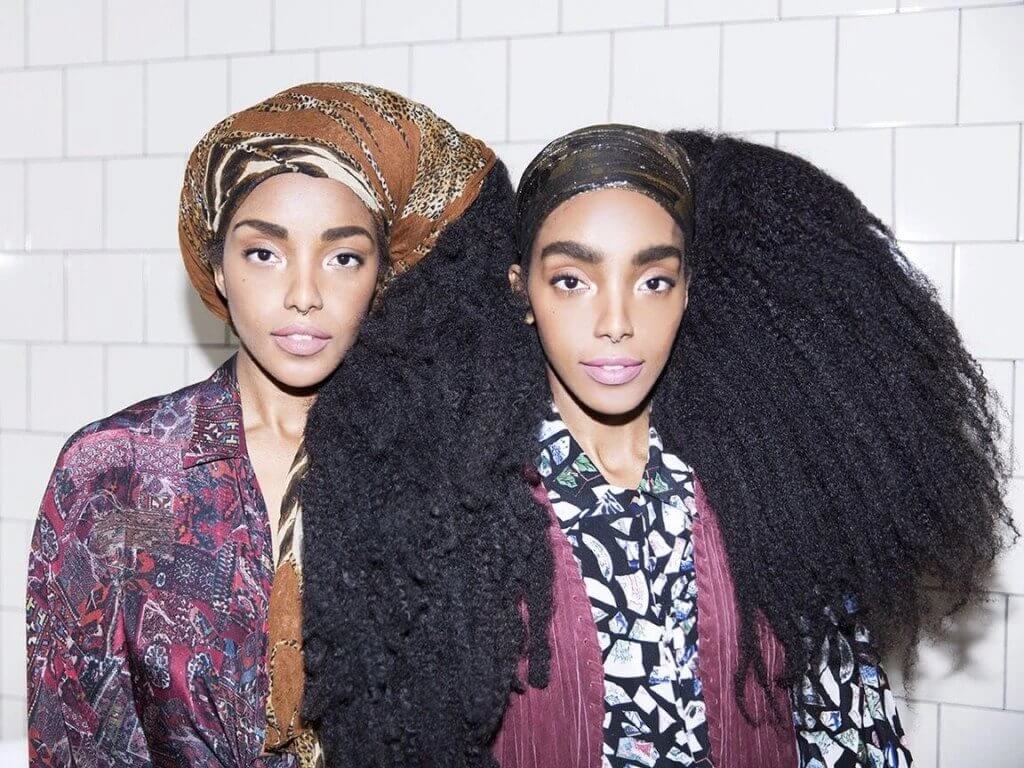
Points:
(614, 321)
(303, 293)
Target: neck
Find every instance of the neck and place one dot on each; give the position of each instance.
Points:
(617, 444)
(268, 404)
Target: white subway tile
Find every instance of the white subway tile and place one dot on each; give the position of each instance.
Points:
(317, 23)
(989, 281)
(498, 18)
(557, 85)
(698, 11)
(12, 652)
(966, 665)
(104, 297)
(590, 15)
(954, 183)
(174, 312)
(897, 69)
(31, 297)
(65, 204)
(142, 202)
(12, 206)
(836, 7)
(1008, 575)
(136, 373)
(15, 537)
(999, 374)
(104, 110)
(1018, 431)
(202, 361)
(923, 5)
(13, 727)
(184, 99)
(992, 65)
(778, 75)
(60, 32)
(13, 386)
(980, 738)
(647, 88)
(386, 66)
(935, 260)
(920, 722)
(478, 105)
(228, 26)
(65, 386)
(255, 78)
(37, 93)
(26, 462)
(516, 157)
(862, 160)
(399, 21)
(1015, 654)
(767, 138)
(12, 33)
(154, 29)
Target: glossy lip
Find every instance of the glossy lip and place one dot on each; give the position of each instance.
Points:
(301, 340)
(613, 371)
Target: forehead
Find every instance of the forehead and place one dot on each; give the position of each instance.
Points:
(299, 196)
(611, 218)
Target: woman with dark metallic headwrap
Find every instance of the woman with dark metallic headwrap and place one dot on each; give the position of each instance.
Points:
(165, 582)
(760, 437)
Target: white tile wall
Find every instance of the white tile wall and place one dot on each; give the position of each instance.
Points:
(917, 108)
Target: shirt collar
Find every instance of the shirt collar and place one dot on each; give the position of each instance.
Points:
(217, 431)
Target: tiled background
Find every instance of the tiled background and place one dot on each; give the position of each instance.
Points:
(915, 104)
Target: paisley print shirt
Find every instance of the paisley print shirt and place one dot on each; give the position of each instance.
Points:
(149, 579)
(634, 551)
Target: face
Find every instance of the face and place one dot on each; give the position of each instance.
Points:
(606, 290)
(299, 271)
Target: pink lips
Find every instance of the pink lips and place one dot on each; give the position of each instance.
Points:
(613, 370)
(301, 340)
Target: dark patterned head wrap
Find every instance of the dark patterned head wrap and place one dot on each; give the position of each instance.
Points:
(601, 156)
(413, 170)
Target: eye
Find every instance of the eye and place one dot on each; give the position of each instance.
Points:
(569, 283)
(349, 260)
(657, 285)
(260, 256)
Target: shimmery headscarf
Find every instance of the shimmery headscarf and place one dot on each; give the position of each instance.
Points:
(412, 169)
(601, 156)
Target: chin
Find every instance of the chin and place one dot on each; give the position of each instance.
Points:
(302, 372)
(617, 401)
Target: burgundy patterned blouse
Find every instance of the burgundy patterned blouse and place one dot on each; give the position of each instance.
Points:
(148, 586)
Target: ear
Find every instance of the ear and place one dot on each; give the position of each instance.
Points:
(218, 279)
(517, 282)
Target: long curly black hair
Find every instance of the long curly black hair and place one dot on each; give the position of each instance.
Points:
(845, 437)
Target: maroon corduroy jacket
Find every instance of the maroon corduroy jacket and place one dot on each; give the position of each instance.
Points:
(559, 726)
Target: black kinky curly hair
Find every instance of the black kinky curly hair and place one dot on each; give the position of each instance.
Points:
(844, 436)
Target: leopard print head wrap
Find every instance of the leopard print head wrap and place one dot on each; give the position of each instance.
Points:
(412, 169)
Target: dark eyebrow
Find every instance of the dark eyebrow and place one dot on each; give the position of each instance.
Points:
(268, 229)
(340, 233)
(573, 250)
(657, 253)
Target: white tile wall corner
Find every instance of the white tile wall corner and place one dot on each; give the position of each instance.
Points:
(653, 90)
(992, 65)
(498, 18)
(184, 99)
(590, 15)
(987, 307)
(778, 75)
(317, 23)
(393, 21)
(387, 66)
(956, 183)
(557, 84)
(862, 160)
(253, 78)
(480, 105)
(898, 69)
(112, 95)
(228, 26)
(971, 737)
(154, 29)
(60, 32)
(700, 11)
